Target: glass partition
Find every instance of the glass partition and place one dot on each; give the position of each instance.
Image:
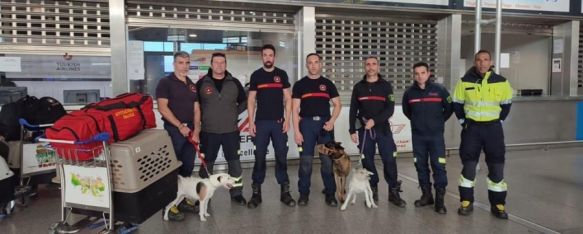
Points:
(71, 79)
(151, 49)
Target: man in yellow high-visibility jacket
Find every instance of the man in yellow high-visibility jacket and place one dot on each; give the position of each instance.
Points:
(482, 101)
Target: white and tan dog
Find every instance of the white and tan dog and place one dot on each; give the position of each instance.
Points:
(359, 183)
(199, 189)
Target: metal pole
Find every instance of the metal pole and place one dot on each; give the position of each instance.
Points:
(118, 37)
(477, 28)
(498, 34)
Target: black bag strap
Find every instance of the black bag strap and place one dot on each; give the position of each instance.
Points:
(118, 105)
(113, 128)
(143, 117)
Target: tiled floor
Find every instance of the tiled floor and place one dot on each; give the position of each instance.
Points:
(545, 195)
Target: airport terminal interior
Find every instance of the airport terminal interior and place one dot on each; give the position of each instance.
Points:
(79, 52)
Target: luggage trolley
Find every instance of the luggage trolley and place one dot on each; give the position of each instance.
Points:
(36, 158)
(85, 184)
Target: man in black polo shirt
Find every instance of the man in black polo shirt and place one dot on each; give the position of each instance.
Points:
(222, 98)
(178, 103)
(372, 104)
(313, 125)
(269, 87)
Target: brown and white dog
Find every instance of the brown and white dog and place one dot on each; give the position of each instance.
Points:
(201, 190)
(341, 164)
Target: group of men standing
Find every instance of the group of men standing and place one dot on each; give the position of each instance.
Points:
(207, 113)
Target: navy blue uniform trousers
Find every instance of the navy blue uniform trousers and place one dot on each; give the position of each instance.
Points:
(387, 149)
(270, 130)
(313, 134)
(184, 150)
(432, 149)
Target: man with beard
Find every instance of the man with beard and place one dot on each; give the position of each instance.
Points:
(270, 88)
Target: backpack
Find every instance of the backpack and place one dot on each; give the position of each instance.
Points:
(47, 110)
(11, 112)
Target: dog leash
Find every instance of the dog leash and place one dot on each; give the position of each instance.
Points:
(200, 154)
(372, 136)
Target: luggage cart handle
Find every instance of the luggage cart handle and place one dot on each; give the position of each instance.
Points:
(104, 136)
(26, 124)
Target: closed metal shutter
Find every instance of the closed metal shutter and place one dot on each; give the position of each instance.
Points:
(398, 43)
(54, 23)
(152, 14)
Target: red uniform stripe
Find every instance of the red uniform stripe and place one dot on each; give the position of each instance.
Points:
(270, 85)
(425, 100)
(431, 99)
(314, 95)
(372, 98)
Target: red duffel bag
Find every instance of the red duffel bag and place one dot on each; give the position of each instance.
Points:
(125, 115)
(122, 117)
(76, 127)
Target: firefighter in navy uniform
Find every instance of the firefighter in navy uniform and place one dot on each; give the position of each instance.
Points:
(313, 125)
(270, 88)
(372, 104)
(178, 104)
(482, 102)
(428, 106)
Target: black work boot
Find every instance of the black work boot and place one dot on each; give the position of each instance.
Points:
(331, 201)
(426, 197)
(255, 197)
(375, 193)
(303, 201)
(174, 214)
(286, 197)
(499, 211)
(439, 201)
(239, 200)
(466, 208)
(395, 197)
(188, 205)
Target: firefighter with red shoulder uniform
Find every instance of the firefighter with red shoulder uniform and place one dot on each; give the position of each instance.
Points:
(428, 105)
(269, 91)
(313, 124)
(372, 104)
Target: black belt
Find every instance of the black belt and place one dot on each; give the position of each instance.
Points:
(470, 121)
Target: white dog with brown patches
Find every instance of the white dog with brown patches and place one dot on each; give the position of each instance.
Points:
(201, 190)
(359, 183)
